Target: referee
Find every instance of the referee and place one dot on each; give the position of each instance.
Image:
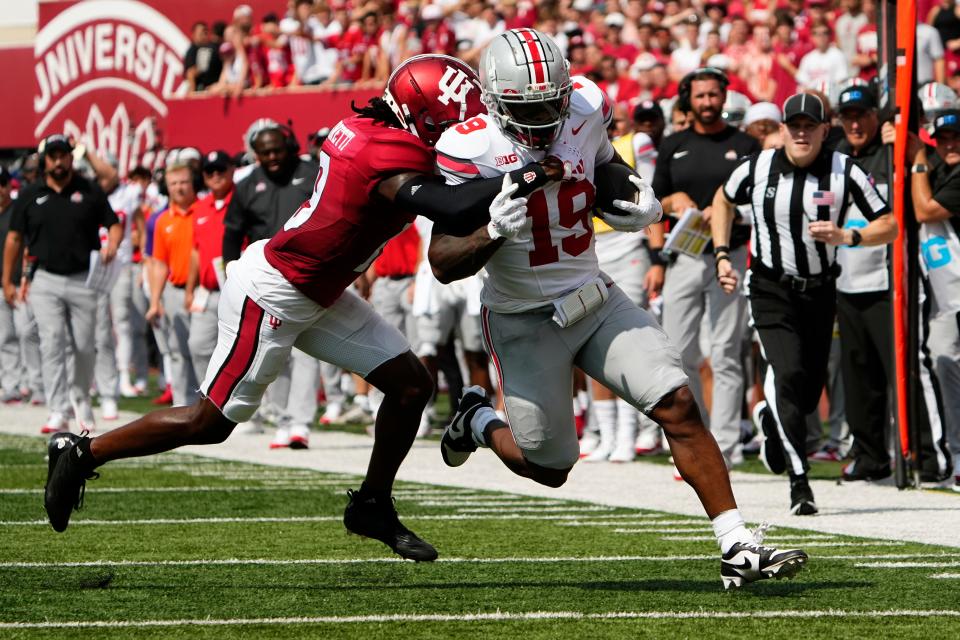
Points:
(799, 198)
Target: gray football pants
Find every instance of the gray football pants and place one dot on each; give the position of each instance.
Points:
(10, 371)
(129, 306)
(389, 299)
(106, 374)
(203, 335)
(944, 345)
(29, 335)
(66, 313)
(176, 329)
(691, 293)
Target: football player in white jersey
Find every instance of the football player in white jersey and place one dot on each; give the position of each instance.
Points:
(547, 306)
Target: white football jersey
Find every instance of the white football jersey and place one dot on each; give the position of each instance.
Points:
(125, 201)
(555, 253)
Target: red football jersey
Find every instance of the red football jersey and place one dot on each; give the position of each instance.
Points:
(344, 226)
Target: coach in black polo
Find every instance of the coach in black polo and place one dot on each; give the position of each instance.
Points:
(59, 217)
(799, 198)
(690, 166)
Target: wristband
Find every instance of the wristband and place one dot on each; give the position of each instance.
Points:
(721, 249)
(656, 257)
(528, 178)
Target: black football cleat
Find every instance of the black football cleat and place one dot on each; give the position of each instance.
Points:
(801, 497)
(457, 442)
(749, 562)
(376, 518)
(66, 480)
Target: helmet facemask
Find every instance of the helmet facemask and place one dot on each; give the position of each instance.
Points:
(533, 119)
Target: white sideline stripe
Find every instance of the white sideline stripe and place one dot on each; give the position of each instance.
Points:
(485, 617)
(391, 560)
(646, 523)
(946, 576)
(907, 565)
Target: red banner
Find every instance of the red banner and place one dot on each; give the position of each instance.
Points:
(209, 122)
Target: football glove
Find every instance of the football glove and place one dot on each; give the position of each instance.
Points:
(508, 215)
(638, 215)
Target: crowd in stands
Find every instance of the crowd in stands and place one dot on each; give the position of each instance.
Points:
(637, 49)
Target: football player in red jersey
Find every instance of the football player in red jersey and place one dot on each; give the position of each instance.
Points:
(376, 170)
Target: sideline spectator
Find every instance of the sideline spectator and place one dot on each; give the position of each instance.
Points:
(58, 218)
(825, 64)
(172, 245)
(206, 261)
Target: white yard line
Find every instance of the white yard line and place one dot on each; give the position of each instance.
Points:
(164, 521)
(463, 504)
(946, 576)
(224, 489)
(396, 560)
(643, 523)
(502, 508)
(487, 617)
(778, 538)
(907, 565)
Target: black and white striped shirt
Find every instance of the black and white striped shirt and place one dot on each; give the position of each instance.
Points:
(784, 199)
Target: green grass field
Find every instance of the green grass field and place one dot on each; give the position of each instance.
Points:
(256, 552)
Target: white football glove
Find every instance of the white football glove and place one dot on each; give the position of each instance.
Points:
(639, 215)
(508, 215)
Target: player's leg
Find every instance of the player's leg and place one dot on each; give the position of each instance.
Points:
(630, 353)
(106, 374)
(351, 335)
(532, 356)
(249, 353)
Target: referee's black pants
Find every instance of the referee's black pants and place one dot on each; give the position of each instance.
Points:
(795, 329)
(866, 341)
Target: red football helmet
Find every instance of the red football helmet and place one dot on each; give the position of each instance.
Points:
(430, 92)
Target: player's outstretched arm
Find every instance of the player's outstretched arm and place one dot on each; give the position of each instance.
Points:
(463, 208)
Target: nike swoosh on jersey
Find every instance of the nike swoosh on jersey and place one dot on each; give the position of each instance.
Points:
(42, 199)
(576, 130)
(296, 181)
(680, 154)
(203, 219)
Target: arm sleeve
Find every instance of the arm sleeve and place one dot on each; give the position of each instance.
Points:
(947, 195)
(108, 217)
(662, 182)
(18, 216)
(459, 210)
(737, 188)
(864, 193)
(234, 229)
(159, 243)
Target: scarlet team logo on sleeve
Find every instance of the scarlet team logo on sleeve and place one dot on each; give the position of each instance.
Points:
(529, 177)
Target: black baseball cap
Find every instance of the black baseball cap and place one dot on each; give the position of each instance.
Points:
(948, 120)
(857, 97)
(646, 109)
(216, 161)
(57, 142)
(804, 104)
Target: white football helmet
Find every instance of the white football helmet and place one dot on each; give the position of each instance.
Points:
(735, 108)
(935, 98)
(526, 86)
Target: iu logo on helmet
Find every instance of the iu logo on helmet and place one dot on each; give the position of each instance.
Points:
(455, 85)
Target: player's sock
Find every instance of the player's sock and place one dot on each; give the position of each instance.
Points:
(730, 529)
(481, 419)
